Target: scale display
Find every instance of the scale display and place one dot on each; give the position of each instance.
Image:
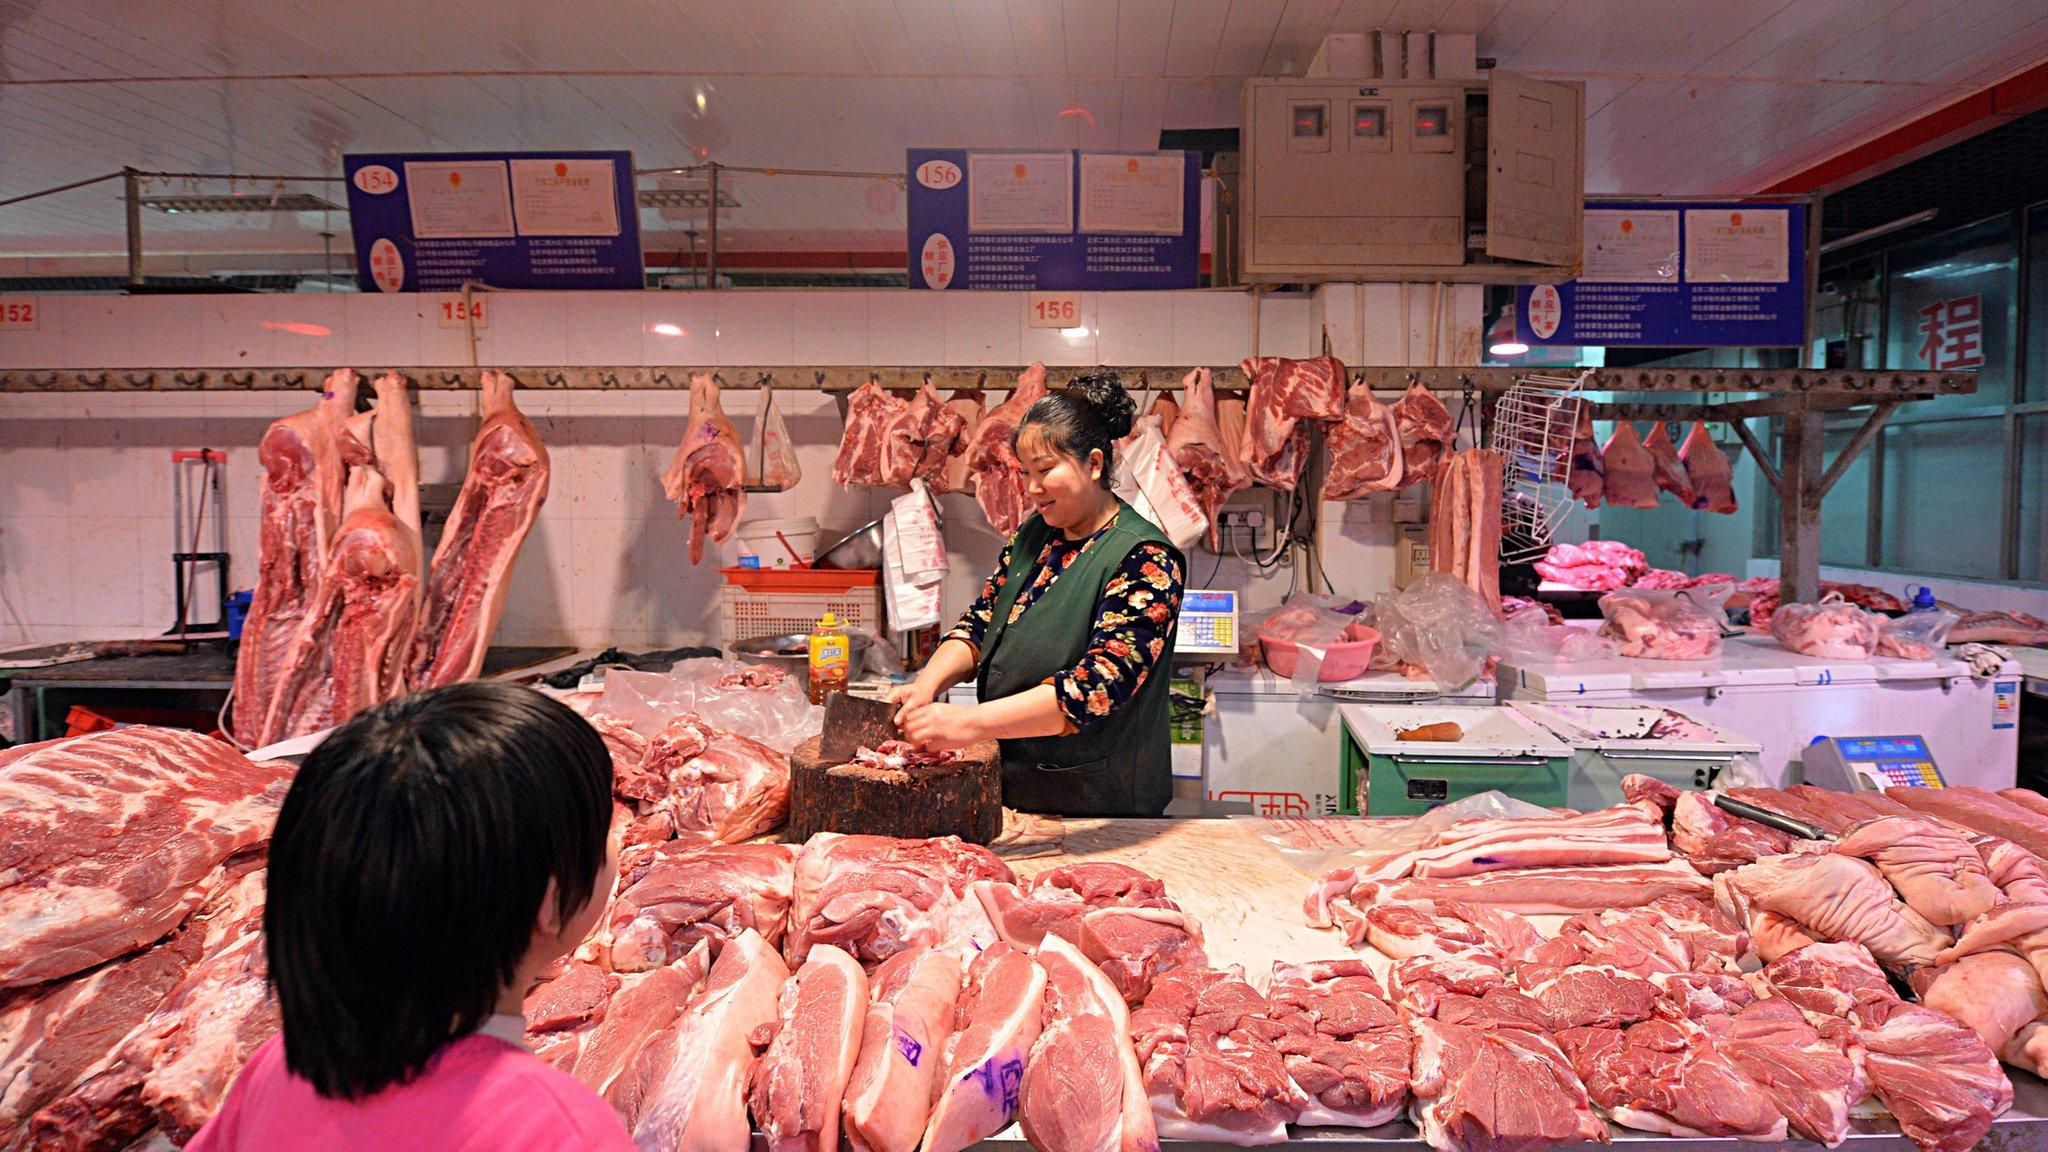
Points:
(1208, 622)
(1871, 763)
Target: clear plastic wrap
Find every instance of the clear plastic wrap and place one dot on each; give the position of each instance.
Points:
(1529, 635)
(1648, 625)
(747, 699)
(1832, 629)
(1439, 625)
(1918, 635)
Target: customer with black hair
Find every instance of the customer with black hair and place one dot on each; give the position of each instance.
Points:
(1071, 640)
(434, 855)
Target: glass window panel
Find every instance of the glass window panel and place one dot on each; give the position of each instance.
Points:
(2034, 498)
(2037, 303)
(1951, 306)
(1943, 486)
(1845, 514)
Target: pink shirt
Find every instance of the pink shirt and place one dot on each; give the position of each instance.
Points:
(478, 1094)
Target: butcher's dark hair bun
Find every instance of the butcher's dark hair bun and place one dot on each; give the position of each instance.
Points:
(1089, 415)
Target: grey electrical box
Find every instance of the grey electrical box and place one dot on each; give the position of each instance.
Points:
(1413, 179)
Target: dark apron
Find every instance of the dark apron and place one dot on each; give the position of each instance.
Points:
(1121, 765)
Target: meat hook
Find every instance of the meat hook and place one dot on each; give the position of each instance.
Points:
(147, 380)
(555, 379)
(195, 380)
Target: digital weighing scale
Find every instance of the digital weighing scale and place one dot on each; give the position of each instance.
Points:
(1870, 763)
(1208, 622)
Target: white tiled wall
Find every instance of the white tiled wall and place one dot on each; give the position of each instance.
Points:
(85, 479)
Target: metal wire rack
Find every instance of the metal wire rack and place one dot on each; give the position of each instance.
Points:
(1532, 426)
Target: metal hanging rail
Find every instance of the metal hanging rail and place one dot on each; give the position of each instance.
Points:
(1784, 390)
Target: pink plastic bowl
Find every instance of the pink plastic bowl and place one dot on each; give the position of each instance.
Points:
(1343, 661)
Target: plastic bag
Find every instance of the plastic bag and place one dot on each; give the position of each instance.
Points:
(1529, 636)
(744, 698)
(1833, 629)
(1439, 625)
(1916, 635)
(1302, 634)
(775, 463)
(1149, 481)
(1318, 844)
(1684, 625)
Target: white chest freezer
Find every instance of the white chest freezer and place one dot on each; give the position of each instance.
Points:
(1782, 700)
(1268, 743)
(1610, 741)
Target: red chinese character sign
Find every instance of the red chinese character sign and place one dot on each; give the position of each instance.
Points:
(1952, 334)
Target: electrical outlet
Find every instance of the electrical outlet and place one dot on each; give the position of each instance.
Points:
(1243, 526)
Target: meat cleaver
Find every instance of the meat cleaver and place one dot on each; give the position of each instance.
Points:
(853, 722)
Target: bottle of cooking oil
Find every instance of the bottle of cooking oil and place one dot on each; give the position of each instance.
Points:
(829, 657)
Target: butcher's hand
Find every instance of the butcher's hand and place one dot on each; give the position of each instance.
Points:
(939, 727)
(910, 697)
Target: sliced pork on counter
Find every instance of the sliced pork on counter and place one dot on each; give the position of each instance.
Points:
(304, 480)
(705, 478)
(1345, 1047)
(1083, 1090)
(687, 1087)
(909, 1019)
(1708, 470)
(1207, 1043)
(995, 1023)
(1630, 480)
(680, 894)
(1834, 898)
(875, 896)
(697, 781)
(469, 577)
(798, 1084)
(1937, 872)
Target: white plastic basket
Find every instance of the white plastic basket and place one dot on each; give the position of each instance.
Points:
(749, 613)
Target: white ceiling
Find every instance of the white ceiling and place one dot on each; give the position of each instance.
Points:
(1682, 95)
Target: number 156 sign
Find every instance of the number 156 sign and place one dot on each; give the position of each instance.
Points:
(1053, 310)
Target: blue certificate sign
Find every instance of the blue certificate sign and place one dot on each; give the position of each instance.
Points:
(432, 221)
(1054, 221)
(1668, 274)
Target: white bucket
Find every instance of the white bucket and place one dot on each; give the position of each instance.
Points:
(759, 543)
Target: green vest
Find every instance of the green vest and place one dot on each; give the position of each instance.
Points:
(1121, 765)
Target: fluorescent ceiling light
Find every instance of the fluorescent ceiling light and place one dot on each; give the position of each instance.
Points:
(684, 198)
(252, 202)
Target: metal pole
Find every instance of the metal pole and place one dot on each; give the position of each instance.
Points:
(131, 193)
(711, 277)
(1799, 510)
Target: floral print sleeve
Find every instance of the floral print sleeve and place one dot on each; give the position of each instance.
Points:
(973, 625)
(1139, 606)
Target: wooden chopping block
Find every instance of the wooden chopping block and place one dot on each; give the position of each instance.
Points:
(963, 798)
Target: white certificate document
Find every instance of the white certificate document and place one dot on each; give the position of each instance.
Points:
(1738, 245)
(565, 198)
(1627, 247)
(1020, 192)
(1136, 193)
(459, 199)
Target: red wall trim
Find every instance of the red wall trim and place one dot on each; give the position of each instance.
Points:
(1974, 113)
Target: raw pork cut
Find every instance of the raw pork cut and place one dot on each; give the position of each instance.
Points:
(1491, 1087)
(684, 893)
(1935, 1076)
(1711, 476)
(1623, 834)
(1365, 448)
(1670, 471)
(1937, 872)
(1302, 389)
(1631, 476)
(1654, 626)
(877, 895)
(303, 482)
(1441, 928)
(1588, 476)
(1275, 447)
(1831, 629)
(706, 782)
(909, 1018)
(705, 478)
(1661, 1077)
(1197, 446)
(1344, 1046)
(956, 477)
(996, 1021)
(1713, 841)
(1834, 897)
(775, 463)
(1136, 946)
(1561, 891)
(110, 840)
(1465, 521)
(470, 575)
(1993, 994)
(1057, 900)
(352, 644)
(798, 1083)
(1808, 1078)
(1981, 809)
(917, 437)
(686, 1090)
(869, 414)
(1082, 1089)
(1427, 434)
(1595, 566)
(1206, 1040)
(998, 477)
